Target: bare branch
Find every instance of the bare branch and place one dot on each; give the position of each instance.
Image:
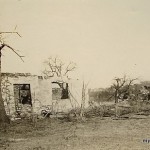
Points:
(13, 51)
(70, 68)
(1, 47)
(54, 66)
(48, 73)
(130, 82)
(7, 32)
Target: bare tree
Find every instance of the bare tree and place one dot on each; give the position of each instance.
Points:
(121, 86)
(3, 116)
(55, 67)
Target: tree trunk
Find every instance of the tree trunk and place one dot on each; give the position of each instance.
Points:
(116, 102)
(116, 96)
(3, 117)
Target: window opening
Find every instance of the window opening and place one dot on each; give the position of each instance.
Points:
(60, 91)
(22, 93)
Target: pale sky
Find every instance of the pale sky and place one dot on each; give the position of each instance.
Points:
(106, 38)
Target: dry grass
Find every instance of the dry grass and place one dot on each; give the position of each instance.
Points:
(92, 134)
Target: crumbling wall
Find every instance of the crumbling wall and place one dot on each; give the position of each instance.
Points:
(7, 95)
(40, 92)
(74, 100)
(43, 95)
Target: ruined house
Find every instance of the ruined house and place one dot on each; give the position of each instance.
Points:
(23, 92)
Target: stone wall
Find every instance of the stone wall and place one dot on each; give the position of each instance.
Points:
(41, 94)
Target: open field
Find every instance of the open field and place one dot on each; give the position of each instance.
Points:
(92, 134)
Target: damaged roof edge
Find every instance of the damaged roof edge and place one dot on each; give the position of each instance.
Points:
(17, 74)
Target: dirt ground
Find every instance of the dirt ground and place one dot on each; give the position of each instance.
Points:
(91, 134)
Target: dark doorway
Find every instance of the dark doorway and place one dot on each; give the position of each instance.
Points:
(22, 94)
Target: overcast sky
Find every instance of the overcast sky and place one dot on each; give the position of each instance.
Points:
(106, 38)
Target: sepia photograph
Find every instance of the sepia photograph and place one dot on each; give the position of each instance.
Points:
(74, 74)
